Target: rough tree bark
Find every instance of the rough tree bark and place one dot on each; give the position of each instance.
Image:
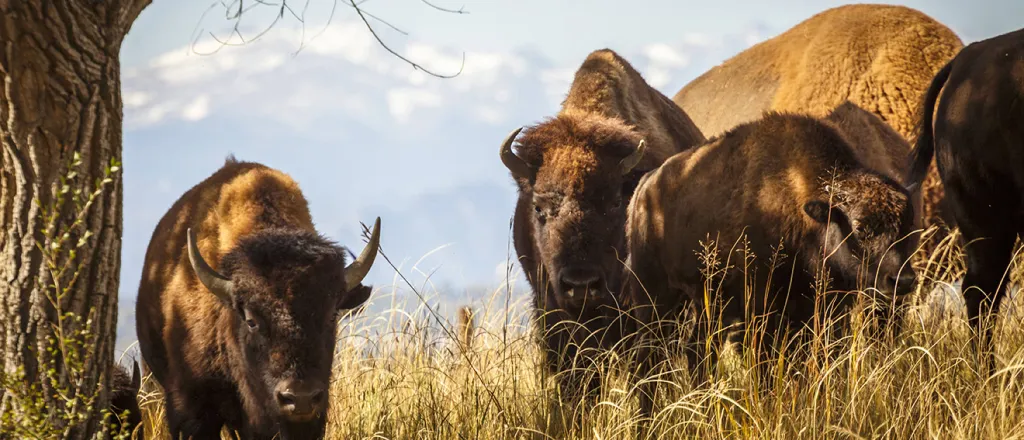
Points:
(60, 94)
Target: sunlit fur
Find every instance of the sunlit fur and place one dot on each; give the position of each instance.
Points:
(880, 57)
(785, 179)
(218, 361)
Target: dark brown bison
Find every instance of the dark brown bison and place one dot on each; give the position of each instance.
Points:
(124, 396)
(794, 178)
(880, 57)
(575, 173)
(238, 306)
(978, 143)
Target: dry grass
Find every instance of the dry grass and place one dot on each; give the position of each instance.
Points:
(402, 375)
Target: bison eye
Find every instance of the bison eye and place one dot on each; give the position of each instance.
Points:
(541, 214)
(253, 326)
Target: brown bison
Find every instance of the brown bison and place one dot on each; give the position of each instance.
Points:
(795, 178)
(238, 306)
(124, 396)
(575, 173)
(880, 57)
(978, 143)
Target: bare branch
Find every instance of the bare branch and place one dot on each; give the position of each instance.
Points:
(461, 10)
(410, 62)
(235, 10)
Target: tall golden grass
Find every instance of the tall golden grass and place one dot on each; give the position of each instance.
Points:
(408, 373)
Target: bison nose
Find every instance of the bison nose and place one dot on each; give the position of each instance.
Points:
(905, 283)
(300, 400)
(573, 279)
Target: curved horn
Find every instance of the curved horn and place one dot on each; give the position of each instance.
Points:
(514, 163)
(136, 377)
(356, 271)
(218, 284)
(633, 159)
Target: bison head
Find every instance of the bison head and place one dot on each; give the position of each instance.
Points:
(124, 396)
(577, 175)
(868, 232)
(287, 289)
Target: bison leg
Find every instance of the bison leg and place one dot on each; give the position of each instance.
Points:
(579, 383)
(987, 260)
(191, 420)
(987, 230)
(658, 328)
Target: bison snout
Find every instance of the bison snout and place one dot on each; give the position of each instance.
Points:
(580, 280)
(300, 400)
(903, 284)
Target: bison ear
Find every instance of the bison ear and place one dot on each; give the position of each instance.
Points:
(820, 211)
(136, 377)
(355, 297)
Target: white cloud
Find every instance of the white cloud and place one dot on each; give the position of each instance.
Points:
(665, 55)
(402, 102)
(197, 109)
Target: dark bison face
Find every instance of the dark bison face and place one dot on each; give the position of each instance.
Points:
(125, 397)
(578, 179)
(288, 289)
(870, 234)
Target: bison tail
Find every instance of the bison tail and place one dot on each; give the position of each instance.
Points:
(924, 148)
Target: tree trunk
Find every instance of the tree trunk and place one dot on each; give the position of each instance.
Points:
(60, 132)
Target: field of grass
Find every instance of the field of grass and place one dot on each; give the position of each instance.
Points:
(410, 375)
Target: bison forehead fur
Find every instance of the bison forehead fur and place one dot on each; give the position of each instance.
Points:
(571, 151)
(299, 268)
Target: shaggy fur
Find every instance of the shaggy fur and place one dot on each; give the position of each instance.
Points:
(978, 142)
(880, 57)
(570, 213)
(219, 362)
(124, 392)
(773, 179)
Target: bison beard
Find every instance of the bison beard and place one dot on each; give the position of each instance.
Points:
(248, 344)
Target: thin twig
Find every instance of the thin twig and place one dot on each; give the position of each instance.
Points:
(461, 10)
(236, 10)
(463, 349)
(392, 51)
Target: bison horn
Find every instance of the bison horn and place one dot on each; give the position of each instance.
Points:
(633, 159)
(218, 284)
(514, 163)
(356, 271)
(136, 377)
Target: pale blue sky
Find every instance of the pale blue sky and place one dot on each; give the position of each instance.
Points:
(365, 135)
(560, 28)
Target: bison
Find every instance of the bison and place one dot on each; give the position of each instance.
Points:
(124, 396)
(880, 57)
(978, 144)
(238, 306)
(789, 179)
(575, 173)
